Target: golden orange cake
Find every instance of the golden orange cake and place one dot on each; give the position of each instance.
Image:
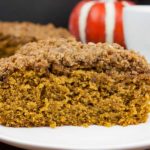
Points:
(64, 82)
(15, 34)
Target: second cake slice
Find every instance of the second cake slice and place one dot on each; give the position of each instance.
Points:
(15, 34)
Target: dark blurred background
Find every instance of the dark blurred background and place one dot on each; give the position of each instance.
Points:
(43, 11)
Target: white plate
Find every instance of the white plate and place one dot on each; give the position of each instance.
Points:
(94, 137)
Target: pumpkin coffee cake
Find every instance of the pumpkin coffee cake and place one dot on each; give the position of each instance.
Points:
(64, 82)
(15, 34)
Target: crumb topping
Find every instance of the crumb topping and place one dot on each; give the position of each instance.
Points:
(63, 55)
(38, 31)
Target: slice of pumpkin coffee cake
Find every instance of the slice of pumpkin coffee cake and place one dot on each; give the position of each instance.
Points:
(63, 82)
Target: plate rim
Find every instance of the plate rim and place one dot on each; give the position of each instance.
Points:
(27, 144)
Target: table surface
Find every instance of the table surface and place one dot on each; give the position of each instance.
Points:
(7, 147)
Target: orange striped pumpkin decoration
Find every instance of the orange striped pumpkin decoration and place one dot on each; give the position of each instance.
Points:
(98, 21)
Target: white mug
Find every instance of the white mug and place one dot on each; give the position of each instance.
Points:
(137, 29)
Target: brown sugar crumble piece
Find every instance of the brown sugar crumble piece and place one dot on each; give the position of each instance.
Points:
(13, 35)
(64, 82)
